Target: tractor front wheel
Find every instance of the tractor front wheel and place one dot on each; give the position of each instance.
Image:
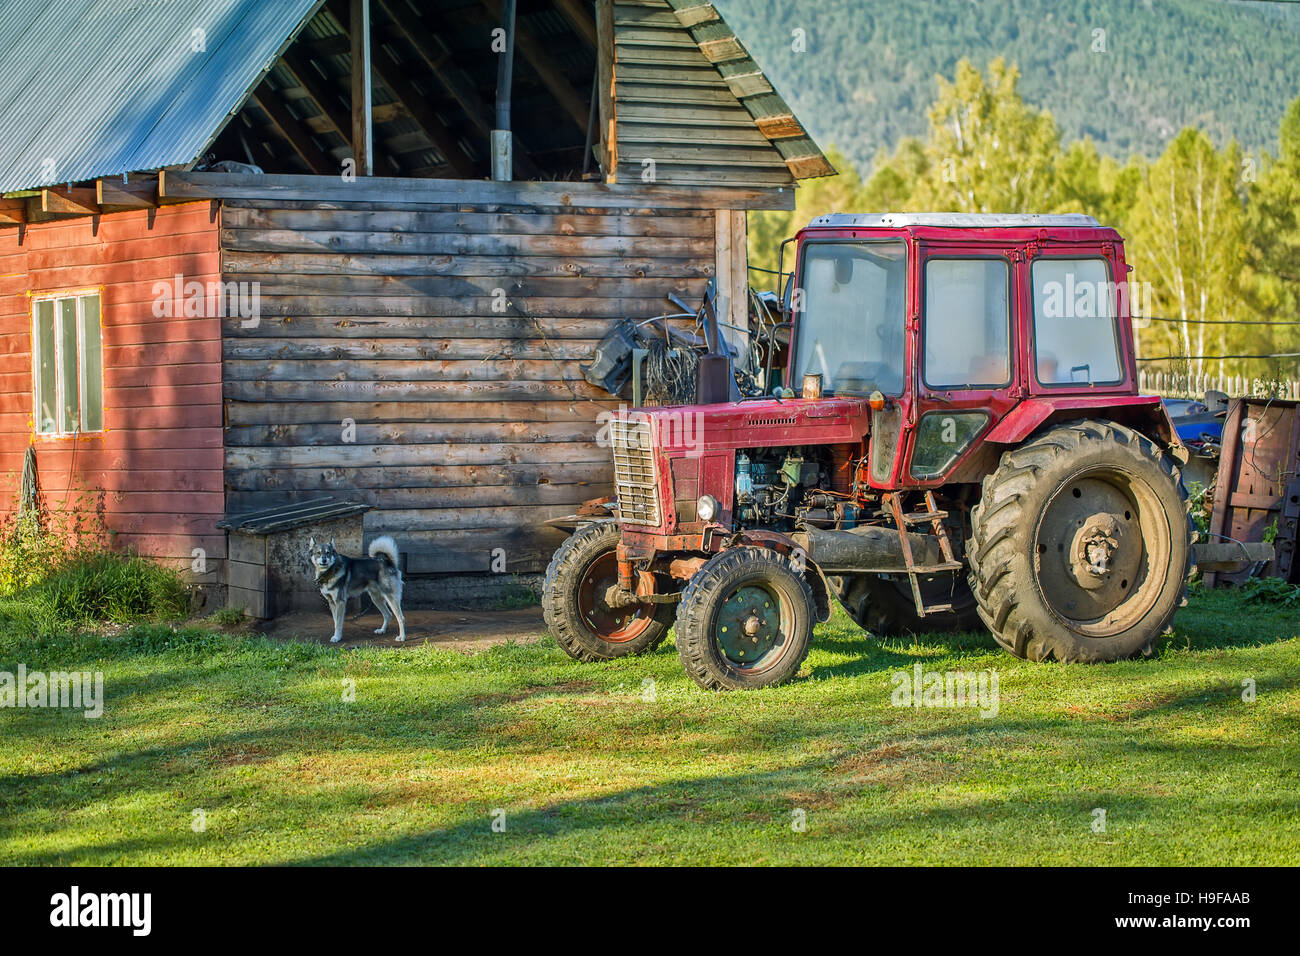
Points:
(573, 601)
(745, 620)
(1080, 545)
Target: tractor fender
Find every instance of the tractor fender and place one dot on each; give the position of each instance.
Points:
(1145, 413)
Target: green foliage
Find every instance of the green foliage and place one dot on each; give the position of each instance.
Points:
(227, 616)
(93, 588)
(1212, 250)
(1273, 591)
(868, 75)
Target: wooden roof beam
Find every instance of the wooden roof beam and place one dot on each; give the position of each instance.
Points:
(113, 195)
(550, 73)
(455, 83)
(77, 201)
(404, 91)
(13, 212)
(579, 16)
(295, 132)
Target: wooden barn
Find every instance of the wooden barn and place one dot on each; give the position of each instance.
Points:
(253, 252)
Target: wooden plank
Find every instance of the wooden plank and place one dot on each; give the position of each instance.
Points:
(455, 244)
(412, 309)
(564, 497)
(495, 224)
(328, 412)
(489, 288)
(391, 370)
(355, 456)
(236, 263)
(431, 479)
(466, 330)
(392, 349)
(424, 433)
(606, 66)
(570, 390)
(181, 187)
(363, 142)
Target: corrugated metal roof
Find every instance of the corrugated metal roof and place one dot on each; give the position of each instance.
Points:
(101, 87)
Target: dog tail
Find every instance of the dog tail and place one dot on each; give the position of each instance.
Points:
(385, 546)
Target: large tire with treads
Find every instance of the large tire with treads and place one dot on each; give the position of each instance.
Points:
(584, 626)
(1080, 545)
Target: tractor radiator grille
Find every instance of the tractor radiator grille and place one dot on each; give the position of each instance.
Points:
(635, 475)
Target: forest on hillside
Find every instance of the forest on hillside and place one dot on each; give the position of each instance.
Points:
(1128, 74)
(1212, 232)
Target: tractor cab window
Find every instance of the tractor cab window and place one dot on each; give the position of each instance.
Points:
(850, 324)
(967, 323)
(1075, 340)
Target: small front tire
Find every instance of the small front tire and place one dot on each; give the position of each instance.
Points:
(584, 626)
(745, 620)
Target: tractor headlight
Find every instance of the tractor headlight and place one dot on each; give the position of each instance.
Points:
(707, 507)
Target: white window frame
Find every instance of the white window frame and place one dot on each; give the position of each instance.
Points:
(79, 296)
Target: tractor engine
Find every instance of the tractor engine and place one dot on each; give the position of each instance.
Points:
(782, 489)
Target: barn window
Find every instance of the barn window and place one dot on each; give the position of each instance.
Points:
(67, 364)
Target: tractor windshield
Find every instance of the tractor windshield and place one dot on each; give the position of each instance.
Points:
(851, 324)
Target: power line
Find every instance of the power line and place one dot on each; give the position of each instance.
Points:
(1215, 358)
(1151, 318)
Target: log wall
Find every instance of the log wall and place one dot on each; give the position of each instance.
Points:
(425, 360)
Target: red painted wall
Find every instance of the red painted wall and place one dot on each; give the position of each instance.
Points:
(159, 460)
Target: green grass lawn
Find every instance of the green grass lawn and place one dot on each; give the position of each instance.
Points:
(590, 767)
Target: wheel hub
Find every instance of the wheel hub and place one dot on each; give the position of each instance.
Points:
(1090, 549)
(749, 625)
(1095, 550)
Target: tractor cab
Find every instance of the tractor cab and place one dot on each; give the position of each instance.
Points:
(951, 320)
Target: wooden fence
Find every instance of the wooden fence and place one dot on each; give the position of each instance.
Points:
(1173, 385)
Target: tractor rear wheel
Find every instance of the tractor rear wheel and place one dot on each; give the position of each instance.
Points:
(1080, 545)
(573, 600)
(885, 607)
(745, 620)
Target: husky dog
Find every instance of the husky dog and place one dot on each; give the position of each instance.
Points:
(341, 578)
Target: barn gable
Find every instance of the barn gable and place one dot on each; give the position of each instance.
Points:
(657, 91)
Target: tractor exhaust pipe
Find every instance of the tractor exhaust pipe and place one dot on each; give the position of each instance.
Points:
(867, 549)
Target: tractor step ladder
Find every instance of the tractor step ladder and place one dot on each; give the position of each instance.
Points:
(934, 515)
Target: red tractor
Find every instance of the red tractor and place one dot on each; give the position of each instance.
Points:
(967, 444)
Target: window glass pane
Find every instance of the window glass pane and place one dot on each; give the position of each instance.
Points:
(850, 330)
(941, 438)
(1074, 322)
(92, 366)
(47, 393)
(68, 417)
(967, 323)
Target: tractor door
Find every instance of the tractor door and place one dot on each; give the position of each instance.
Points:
(967, 361)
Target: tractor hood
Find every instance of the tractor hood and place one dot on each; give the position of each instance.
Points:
(687, 429)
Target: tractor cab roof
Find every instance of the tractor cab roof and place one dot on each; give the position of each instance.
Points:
(953, 220)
